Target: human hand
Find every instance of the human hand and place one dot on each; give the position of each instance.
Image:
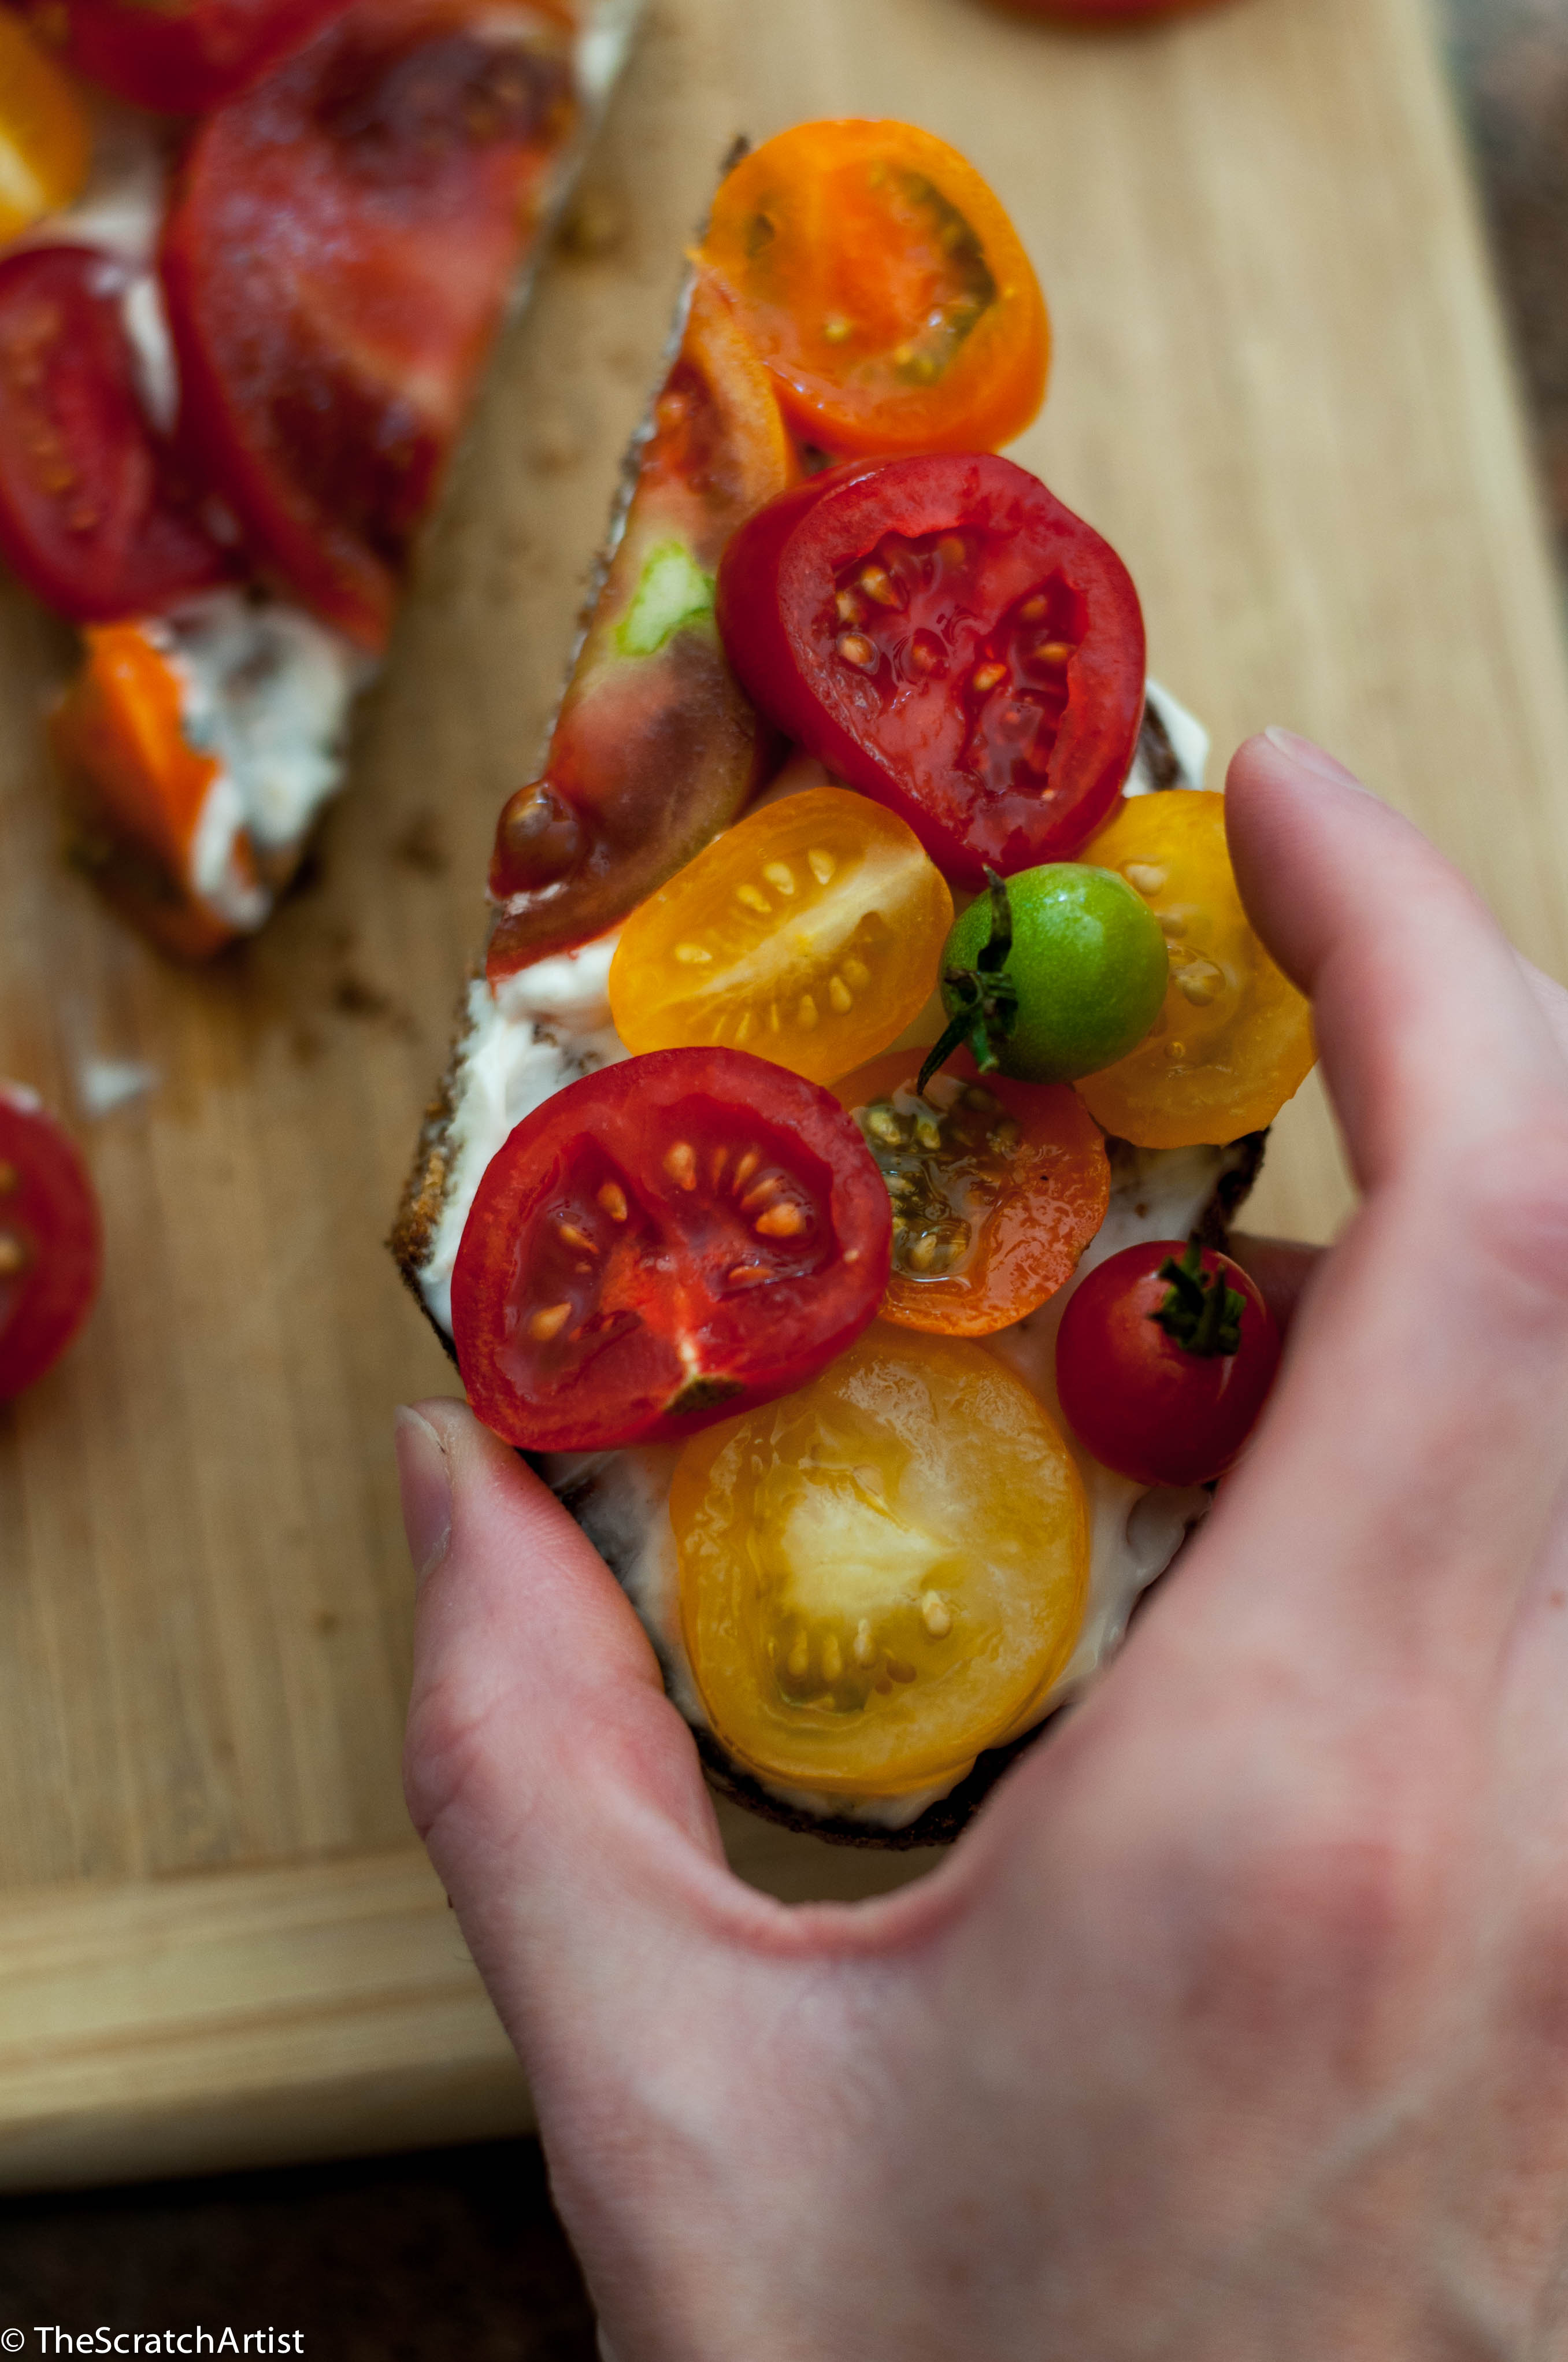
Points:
(1237, 2025)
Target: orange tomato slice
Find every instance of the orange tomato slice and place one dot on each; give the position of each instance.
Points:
(139, 786)
(997, 1186)
(45, 141)
(885, 288)
(809, 934)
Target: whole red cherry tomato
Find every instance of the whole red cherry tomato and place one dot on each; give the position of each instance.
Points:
(1164, 1359)
(665, 1242)
(92, 514)
(51, 1243)
(335, 266)
(945, 637)
(184, 55)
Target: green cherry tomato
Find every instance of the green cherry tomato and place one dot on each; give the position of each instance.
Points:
(1082, 978)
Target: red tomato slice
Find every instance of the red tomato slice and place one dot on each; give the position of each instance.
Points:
(189, 55)
(336, 267)
(654, 747)
(665, 1242)
(92, 514)
(947, 637)
(50, 1244)
(1144, 1403)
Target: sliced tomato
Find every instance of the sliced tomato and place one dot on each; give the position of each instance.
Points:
(884, 287)
(655, 746)
(46, 141)
(662, 1243)
(947, 637)
(51, 1251)
(94, 515)
(184, 56)
(882, 1574)
(997, 1188)
(811, 932)
(1164, 1359)
(335, 265)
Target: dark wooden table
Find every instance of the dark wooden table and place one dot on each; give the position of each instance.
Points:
(459, 2251)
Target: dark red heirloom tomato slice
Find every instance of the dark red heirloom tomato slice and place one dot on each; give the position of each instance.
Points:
(335, 265)
(93, 515)
(184, 55)
(51, 1247)
(947, 637)
(662, 1243)
(655, 747)
(1164, 1359)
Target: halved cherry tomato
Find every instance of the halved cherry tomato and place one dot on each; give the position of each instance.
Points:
(45, 140)
(944, 636)
(183, 56)
(138, 788)
(94, 515)
(52, 1252)
(1164, 1359)
(655, 746)
(663, 1241)
(997, 1188)
(809, 933)
(335, 266)
(1234, 1039)
(881, 1573)
(884, 287)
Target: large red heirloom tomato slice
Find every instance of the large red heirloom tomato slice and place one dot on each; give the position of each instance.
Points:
(335, 265)
(947, 637)
(51, 1246)
(655, 746)
(93, 515)
(184, 55)
(663, 1242)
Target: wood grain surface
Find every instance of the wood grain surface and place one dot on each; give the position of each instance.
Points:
(1280, 388)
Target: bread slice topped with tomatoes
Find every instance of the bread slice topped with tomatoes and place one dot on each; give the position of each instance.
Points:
(239, 340)
(829, 1183)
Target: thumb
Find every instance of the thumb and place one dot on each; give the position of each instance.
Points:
(556, 1788)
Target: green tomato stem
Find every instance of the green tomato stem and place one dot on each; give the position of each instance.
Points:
(988, 1000)
(1201, 1314)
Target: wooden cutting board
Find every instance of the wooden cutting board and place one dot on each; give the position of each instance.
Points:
(1280, 388)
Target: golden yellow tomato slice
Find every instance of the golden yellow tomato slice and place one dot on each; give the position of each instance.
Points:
(879, 1573)
(45, 141)
(1233, 1041)
(810, 933)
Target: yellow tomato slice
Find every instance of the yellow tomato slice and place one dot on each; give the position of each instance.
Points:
(810, 933)
(45, 141)
(1233, 1041)
(879, 1573)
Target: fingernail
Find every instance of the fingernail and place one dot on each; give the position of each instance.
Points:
(1309, 756)
(426, 1489)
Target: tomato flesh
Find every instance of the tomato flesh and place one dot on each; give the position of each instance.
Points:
(45, 138)
(191, 55)
(997, 1186)
(664, 1241)
(51, 1251)
(94, 516)
(655, 746)
(885, 288)
(882, 1573)
(810, 933)
(1144, 1403)
(1234, 1040)
(945, 637)
(335, 266)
